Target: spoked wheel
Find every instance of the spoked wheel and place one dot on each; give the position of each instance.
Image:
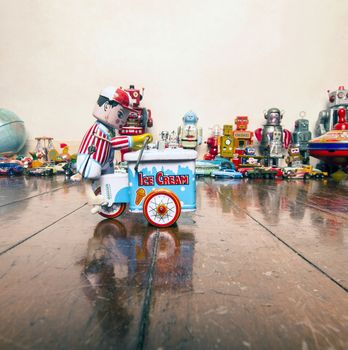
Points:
(115, 210)
(162, 208)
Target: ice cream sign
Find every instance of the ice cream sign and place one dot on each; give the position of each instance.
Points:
(161, 179)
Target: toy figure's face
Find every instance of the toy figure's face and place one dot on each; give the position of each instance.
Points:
(294, 151)
(164, 135)
(273, 117)
(110, 113)
(277, 135)
(190, 118)
(249, 151)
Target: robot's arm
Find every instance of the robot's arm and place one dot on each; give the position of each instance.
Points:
(321, 122)
(258, 134)
(200, 136)
(286, 138)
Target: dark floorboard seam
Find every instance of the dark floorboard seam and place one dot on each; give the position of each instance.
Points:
(37, 232)
(293, 249)
(299, 254)
(144, 318)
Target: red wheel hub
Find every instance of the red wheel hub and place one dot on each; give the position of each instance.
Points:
(162, 209)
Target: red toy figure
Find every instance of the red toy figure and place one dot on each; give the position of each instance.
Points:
(342, 121)
(242, 137)
(139, 118)
(96, 153)
(213, 144)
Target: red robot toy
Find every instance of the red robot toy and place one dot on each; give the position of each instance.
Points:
(139, 119)
(213, 144)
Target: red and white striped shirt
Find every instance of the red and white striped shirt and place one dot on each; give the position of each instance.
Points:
(99, 136)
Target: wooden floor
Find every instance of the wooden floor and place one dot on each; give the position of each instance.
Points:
(260, 265)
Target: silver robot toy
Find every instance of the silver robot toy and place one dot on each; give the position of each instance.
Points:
(272, 137)
(301, 136)
(329, 117)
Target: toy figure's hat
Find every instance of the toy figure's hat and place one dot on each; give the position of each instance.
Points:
(118, 95)
(123, 98)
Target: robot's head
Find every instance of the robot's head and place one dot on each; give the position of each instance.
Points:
(273, 116)
(301, 125)
(113, 107)
(338, 97)
(190, 118)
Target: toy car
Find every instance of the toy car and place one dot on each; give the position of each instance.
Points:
(206, 167)
(260, 172)
(304, 172)
(227, 173)
(11, 168)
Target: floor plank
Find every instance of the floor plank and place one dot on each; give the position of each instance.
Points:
(221, 278)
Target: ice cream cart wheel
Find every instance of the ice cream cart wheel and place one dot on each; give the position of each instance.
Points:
(115, 210)
(161, 208)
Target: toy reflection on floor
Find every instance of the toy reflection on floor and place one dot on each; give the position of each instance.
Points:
(116, 270)
(159, 183)
(189, 134)
(329, 117)
(272, 137)
(12, 133)
(301, 136)
(96, 152)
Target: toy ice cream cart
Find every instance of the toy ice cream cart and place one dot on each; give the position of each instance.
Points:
(159, 183)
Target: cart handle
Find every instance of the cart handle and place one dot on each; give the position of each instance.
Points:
(147, 139)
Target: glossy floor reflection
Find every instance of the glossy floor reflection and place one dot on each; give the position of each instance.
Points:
(259, 265)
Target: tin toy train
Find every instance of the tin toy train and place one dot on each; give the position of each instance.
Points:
(159, 183)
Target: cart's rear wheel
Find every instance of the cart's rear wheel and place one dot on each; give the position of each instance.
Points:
(162, 208)
(115, 210)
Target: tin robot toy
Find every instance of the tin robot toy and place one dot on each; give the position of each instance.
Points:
(301, 136)
(272, 137)
(189, 134)
(329, 117)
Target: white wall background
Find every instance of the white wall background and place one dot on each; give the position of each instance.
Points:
(219, 58)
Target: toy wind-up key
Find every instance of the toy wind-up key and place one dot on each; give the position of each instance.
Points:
(96, 153)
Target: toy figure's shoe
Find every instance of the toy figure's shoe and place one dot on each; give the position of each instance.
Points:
(96, 209)
(76, 177)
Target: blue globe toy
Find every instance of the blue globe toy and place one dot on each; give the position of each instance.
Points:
(12, 133)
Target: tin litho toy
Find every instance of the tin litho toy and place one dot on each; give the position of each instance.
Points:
(189, 134)
(332, 147)
(213, 144)
(96, 153)
(159, 183)
(329, 117)
(226, 142)
(301, 136)
(272, 137)
(294, 157)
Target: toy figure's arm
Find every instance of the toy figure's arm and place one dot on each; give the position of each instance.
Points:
(179, 136)
(258, 134)
(121, 142)
(133, 142)
(200, 136)
(286, 138)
